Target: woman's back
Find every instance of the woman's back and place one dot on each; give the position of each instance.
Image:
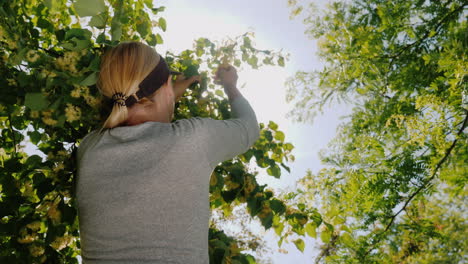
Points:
(143, 191)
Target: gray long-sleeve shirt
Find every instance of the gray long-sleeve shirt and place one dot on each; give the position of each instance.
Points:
(143, 191)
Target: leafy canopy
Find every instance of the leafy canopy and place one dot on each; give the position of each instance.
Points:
(397, 170)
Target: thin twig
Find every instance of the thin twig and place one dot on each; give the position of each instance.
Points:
(12, 133)
(426, 183)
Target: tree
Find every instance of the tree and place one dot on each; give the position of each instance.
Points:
(394, 185)
(50, 54)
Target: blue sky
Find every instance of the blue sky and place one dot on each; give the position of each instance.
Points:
(269, 20)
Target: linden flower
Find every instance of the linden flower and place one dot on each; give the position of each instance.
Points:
(48, 73)
(32, 56)
(47, 119)
(50, 155)
(25, 238)
(61, 242)
(54, 214)
(5, 57)
(2, 152)
(59, 167)
(92, 101)
(62, 153)
(12, 44)
(28, 189)
(34, 114)
(68, 61)
(72, 113)
(76, 92)
(34, 226)
(12, 82)
(36, 250)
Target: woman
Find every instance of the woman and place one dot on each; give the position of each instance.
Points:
(143, 181)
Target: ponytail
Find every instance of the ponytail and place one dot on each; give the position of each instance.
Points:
(122, 68)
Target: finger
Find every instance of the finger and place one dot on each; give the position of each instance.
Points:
(180, 77)
(196, 78)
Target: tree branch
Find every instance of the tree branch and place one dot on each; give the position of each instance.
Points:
(428, 180)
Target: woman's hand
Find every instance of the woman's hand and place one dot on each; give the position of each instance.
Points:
(226, 75)
(182, 83)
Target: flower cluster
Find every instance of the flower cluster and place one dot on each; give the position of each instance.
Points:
(12, 82)
(25, 237)
(62, 242)
(83, 91)
(68, 62)
(46, 73)
(47, 118)
(72, 113)
(28, 192)
(54, 214)
(32, 56)
(36, 250)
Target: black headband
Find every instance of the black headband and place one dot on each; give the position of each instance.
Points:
(155, 79)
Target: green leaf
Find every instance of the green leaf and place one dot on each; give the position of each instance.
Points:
(280, 242)
(288, 146)
(162, 24)
(52, 5)
(299, 244)
(90, 79)
(158, 9)
(311, 229)
(116, 31)
(345, 228)
(159, 39)
(277, 225)
(248, 155)
(279, 136)
(78, 33)
(267, 221)
(89, 7)
(151, 40)
(274, 171)
(255, 205)
(75, 44)
(98, 21)
(36, 101)
(35, 137)
(325, 235)
(219, 93)
(272, 125)
(43, 23)
(277, 206)
(250, 259)
(281, 61)
(268, 135)
(348, 240)
(33, 161)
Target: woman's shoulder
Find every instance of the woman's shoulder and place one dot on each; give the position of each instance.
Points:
(195, 123)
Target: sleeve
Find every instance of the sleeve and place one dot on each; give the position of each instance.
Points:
(225, 139)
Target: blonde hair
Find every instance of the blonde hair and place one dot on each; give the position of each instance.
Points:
(122, 69)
